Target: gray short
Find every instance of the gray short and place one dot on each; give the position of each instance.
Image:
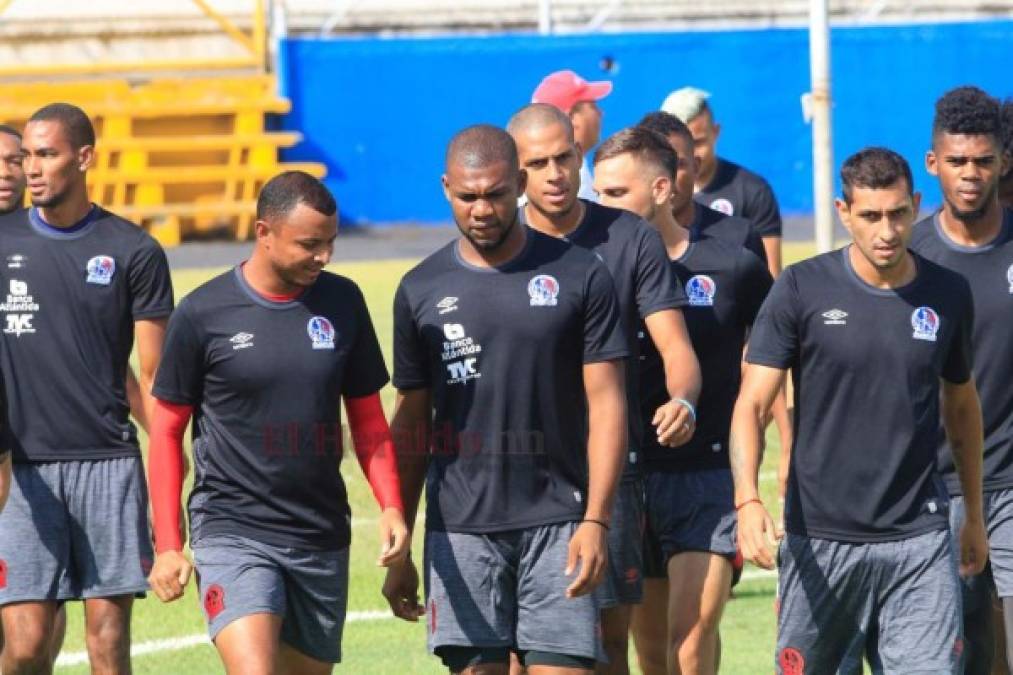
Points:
(692, 511)
(75, 530)
(238, 577)
(507, 589)
(624, 579)
(895, 603)
(998, 508)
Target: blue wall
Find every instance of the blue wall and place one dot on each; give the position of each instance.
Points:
(379, 112)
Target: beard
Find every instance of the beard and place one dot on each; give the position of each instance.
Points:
(974, 215)
(489, 245)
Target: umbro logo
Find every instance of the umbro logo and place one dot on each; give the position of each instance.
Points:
(835, 317)
(241, 340)
(447, 304)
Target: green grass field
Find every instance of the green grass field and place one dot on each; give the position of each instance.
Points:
(374, 644)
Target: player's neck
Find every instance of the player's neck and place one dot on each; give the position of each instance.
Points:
(977, 232)
(502, 254)
(687, 214)
(555, 225)
(704, 176)
(261, 277)
(899, 275)
(67, 213)
(675, 236)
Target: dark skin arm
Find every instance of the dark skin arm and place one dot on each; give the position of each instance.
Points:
(410, 429)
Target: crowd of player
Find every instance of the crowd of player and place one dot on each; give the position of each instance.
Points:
(583, 378)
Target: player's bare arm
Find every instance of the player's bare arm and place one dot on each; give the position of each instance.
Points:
(5, 479)
(772, 247)
(756, 530)
(675, 421)
(606, 440)
(961, 414)
(149, 335)
(135, 400)
(410, 428)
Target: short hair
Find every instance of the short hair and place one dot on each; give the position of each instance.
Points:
(666, 124)
(284, 192)
(1007, 133)
(646, 145)
(10, 131)
(481, 145)
(539, 116)
(874, 168)
(75, 122)
(968, 111)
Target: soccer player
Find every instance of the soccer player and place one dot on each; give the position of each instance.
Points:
(262, 356)
(578, 98)
(700, 220)
(689, 488)
(82, 285)
(972, 235)
(1006, 182)
(879, 342)
(12, 171)
(635, 255)
(508, 360)
(724, 185)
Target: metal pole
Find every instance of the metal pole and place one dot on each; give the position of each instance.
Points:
(823, 154)
(545, 17)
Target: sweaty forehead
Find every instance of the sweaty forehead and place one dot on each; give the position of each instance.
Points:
(966, 145)
(9, 145)
(48, 133)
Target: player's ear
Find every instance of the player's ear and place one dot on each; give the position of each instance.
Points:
(716, 129)
(446, 187)
(580, 151)
(932, 162)
(843, 212)
(916, 202)
(661, 190)
(85, 157)
(522, 181)
(261, 229)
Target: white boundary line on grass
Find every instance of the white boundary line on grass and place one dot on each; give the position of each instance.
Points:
(187, 641)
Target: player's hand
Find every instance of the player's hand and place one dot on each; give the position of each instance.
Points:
(401, 588)
(169, 575)
(394, 540)
(973, 547)
(673, 423)
(757, 535)
(589, 548)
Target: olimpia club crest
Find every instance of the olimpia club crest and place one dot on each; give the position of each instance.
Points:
(100, 270)
(700, 290)
(925, 323)
(543, 290)
(321, 332)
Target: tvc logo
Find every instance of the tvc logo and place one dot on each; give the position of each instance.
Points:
(461, 371)
(18, 324)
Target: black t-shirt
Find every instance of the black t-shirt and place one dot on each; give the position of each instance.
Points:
(737, 191)
(71, 298)
(736, 231)
(726, 286)
(866, 364)
(635, 256)
(989, 271)
(502, 351)
(266, 380)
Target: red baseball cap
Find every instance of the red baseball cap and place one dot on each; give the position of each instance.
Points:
(565, 89)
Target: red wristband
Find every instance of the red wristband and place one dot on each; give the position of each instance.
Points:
(748, 501)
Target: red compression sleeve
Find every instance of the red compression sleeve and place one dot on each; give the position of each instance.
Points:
(375, 449)
(165, 472)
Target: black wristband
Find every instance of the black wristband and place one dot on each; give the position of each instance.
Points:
(597, 522)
